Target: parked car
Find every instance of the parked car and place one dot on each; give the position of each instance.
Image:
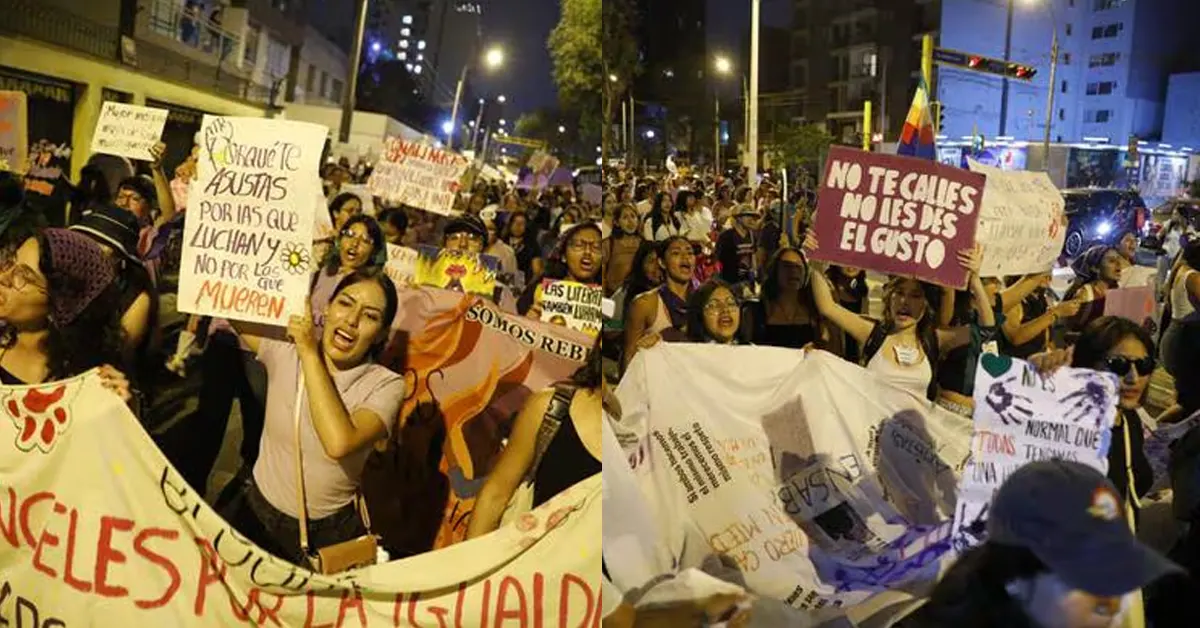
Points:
(1101, 216)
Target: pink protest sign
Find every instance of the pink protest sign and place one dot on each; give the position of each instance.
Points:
(897, 215)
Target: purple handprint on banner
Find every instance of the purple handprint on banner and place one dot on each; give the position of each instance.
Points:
(1011, 407)
(1091, 400)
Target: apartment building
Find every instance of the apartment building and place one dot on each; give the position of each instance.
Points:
(1115, 58)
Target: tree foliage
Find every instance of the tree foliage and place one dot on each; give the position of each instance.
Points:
(798, 145)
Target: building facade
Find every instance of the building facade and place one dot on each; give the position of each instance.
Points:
(1115, 57)
(671, 93)
(846, 52)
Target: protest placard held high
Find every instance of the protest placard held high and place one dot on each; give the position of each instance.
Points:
(418, 174)
(128, 130)
(897, 215)
(14, 145)
(247, 251)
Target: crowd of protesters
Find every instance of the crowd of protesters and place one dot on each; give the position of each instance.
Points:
(85, 294)
(711, 259)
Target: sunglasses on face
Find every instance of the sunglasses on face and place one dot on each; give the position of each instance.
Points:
(1120, 365)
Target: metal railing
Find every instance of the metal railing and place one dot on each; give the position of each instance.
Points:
(59, 27)
(168, 19)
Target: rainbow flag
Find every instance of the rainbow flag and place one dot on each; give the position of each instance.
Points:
(916, 139)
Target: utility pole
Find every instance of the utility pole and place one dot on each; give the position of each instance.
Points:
(348, 103)
(755, 18)
(1007, 57)
(1050, 99)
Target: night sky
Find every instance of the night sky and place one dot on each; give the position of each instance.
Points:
(729, 21)
(527, 78)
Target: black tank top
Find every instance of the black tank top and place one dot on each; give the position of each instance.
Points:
(565, 463)
(1034, 306)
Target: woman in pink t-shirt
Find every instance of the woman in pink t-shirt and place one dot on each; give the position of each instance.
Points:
(349, 402)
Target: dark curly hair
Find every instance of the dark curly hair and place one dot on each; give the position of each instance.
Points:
(333, 259)
(91, 340)
(695, 310)
(973, 593)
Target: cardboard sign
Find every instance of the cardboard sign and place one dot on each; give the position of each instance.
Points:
(1022, 224)
(1022, 417)
(98, 529)
(247, 250)
(128, 130)
(401, 265)
(897, 215)
(573, 305)
(418, 174)
(592, 193)
(458, 271)
(1135, 304)
(14, 140)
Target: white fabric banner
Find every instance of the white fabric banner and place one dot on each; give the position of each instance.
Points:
(1020, 222)
(97, 529)
(825, 485)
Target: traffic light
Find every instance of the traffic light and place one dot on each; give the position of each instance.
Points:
(1021, 72)
(974, 62)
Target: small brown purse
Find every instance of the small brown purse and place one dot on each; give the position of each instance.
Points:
(339, 557)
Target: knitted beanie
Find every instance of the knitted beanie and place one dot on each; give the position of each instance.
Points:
(79, 271)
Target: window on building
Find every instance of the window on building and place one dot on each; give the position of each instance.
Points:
(1062, 114)
(253, 33)
(799, 76)
(1097, 116)
(280, 5)
(403, 56)
(421, 45)
(405, 32)
(1102, 88)
(1066, 58)
(311, 79)
(1104, 60)
(406, 19)
(278, 56)
(324, 84)
(1064, 87)
(335, 90)
(1104, 5)
(1069, 29)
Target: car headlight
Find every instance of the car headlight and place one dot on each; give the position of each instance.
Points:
(1104, 228)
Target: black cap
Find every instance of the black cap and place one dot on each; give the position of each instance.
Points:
(1072, 519)
(113, 227)
(466, 224)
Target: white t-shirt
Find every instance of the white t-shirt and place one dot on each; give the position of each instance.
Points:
(698, 224)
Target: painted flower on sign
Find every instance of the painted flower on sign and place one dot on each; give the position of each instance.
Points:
(296, 258)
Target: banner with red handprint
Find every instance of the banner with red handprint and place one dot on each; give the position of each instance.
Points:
(13, 141)
(418, 174)
(98, 529)
(468, 367)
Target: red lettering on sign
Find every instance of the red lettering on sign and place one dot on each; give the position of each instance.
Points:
(106, 553)
(487, 595)
(139, 546)
(564, 603)
(458, 603)
(308, 617)
(539, 599)
(9, 531)
(352, 600)
(29, 502)
(520, 613)
(254, 600)
(69, 573)
(47, 540)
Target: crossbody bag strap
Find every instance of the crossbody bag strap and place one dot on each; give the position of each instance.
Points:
(558, 411)
(302, 511)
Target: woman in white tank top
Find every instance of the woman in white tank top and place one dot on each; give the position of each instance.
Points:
(908, 316)
(1181, 340)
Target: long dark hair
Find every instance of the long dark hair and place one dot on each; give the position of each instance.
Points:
(660, 213)
(556, 266)
(391, 304)
(338, 201)
(933, 298)
(695, 310)
(771, 289)
(637, 282)
(590, 376)
(1104, 333)
(333, 259)
(92, 339)
(973, 592)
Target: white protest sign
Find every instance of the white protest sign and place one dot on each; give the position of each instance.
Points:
(98, 529)
(401, 265)
(247, 250)
(1022, 417)
(128, 130)
(364, 196)
(573, 305)
(1021, 222)
(418, 174)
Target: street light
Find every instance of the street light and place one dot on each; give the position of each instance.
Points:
(612, 78)
(650, 134)
(503, 122)
(492, 59)
(501, 99)
(562, 129)
(724, 65)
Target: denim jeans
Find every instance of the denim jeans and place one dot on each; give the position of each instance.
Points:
(279, 533)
